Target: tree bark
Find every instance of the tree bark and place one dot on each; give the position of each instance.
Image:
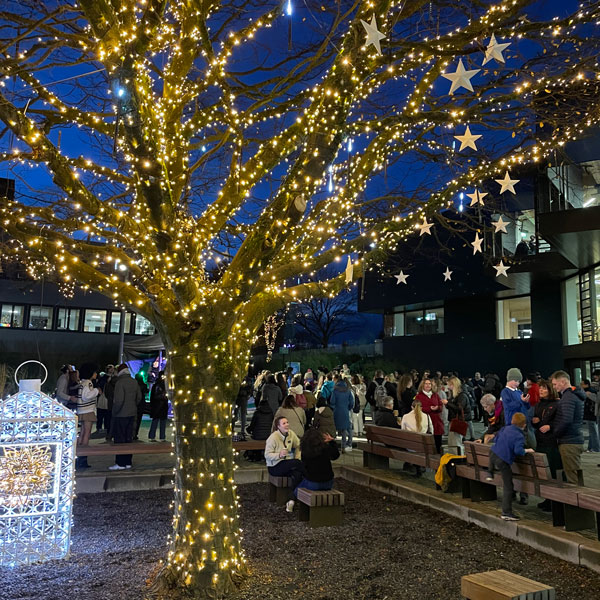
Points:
(205, 558)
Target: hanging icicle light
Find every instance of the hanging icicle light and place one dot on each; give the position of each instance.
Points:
(350, 143)
(330, 184)
(288, 8)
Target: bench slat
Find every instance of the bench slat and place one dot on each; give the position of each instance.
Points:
(503, 585)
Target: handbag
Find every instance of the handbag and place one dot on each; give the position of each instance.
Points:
(458, 424)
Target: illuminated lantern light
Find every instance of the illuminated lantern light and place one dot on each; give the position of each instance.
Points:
(37, 452)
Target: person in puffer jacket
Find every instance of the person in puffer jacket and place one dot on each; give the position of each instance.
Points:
(568, 425)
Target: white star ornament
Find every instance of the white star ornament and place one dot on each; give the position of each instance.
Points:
(477, 197)
(507, 183)
(494, 51)
(477, 244)
(461, 77)
(467, 140)
(500, 225)
(374, 36)
(425, 227)
(401, 278)
(501, 269)
(448, 274)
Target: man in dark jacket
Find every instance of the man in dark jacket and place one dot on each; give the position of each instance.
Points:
(385, 417)
(568, 425)
(271, 392)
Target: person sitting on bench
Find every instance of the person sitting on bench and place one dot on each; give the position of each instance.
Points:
(282, 453)
(318, 450)
(508, 443)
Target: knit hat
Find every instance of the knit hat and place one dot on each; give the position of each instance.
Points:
(122, 367)
(514, 375)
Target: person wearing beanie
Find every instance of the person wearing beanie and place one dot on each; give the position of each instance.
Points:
(508, 444)
(513, 400)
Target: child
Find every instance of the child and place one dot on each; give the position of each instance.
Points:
(509, 442)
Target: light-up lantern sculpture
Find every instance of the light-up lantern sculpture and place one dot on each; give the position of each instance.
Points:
(37, 454)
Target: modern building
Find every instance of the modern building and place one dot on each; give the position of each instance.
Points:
(542, 316)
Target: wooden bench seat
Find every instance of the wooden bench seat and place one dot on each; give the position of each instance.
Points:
(384, 443)
(153, 448)
(320, 508)
(573, 507)
(280, 489)
(503, 585)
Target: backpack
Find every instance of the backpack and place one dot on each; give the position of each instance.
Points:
(379, 395)
(356, 408)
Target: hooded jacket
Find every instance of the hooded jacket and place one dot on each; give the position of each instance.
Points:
(509, 443)
(323, 421)
(568, 424)
(271, 392)
(384, 417)
(127, 395)
(262, 420)
(341, 402)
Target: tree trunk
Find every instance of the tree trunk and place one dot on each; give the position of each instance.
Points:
(205, 558)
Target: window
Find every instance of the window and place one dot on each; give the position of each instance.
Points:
(95, 320)
(40, 317)
(143, 326)
(513, 318)
(571, 311)
(424, 321)
(11, 315)
(68, 319)
(115, 322)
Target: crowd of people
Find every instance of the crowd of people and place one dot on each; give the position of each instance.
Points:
(116, 402)
(524, 415)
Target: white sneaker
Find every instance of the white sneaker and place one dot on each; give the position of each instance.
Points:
(116, 468)
(128, 466)
(289, 506)
(348, 449)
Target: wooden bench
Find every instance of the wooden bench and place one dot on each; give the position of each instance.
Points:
(384, 443)
(320, 508)
(503, 585)
(280, 489)
(573, 507)
(104, 449)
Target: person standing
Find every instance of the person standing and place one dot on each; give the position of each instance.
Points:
(271, 392)
(376, 393)
(590, 414)
(159, 408)
(432, 405)
(139, 377)
(282, 454)
(568, 425)
(62, 388)
(241, 405)
(542, 422)
(295, 416)
(127, 397)
(86, 408)
(459, 407)
(359, 390)
(342, 402)
(406, 394)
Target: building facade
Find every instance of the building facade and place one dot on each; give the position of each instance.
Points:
(543, 316)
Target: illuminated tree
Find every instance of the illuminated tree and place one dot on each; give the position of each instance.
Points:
(178, 134)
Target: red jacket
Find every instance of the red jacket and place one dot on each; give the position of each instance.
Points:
(432, 407)
(534, 394)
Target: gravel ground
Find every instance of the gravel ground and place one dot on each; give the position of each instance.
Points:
(385, 549)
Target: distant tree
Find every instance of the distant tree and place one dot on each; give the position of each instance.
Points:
(320, 319)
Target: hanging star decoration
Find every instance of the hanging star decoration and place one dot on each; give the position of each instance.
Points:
(467, 140)
(349, 270)
(477, 197)
(401, 278)
(461, 77)
(500, 225)
(448, 274)
(374, 36)
(494, 51)
(507, 183)
(501, 269)
(24, 472)
(425, 227)
(477, 243)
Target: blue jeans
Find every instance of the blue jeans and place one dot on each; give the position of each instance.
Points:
(163, 429)
(314, 485)
(346, 434)
(594, 439)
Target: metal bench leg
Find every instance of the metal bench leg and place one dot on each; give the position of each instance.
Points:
(375, 461)
(577, 518)
(322, 516)
(278, 495)
(482, 491)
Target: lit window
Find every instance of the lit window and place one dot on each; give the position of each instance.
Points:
(143, 326)
(11, 315)
(425, 321)
(68, 319)
(513, 318)
(40, 317)
(95, 321)
(115, 322)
